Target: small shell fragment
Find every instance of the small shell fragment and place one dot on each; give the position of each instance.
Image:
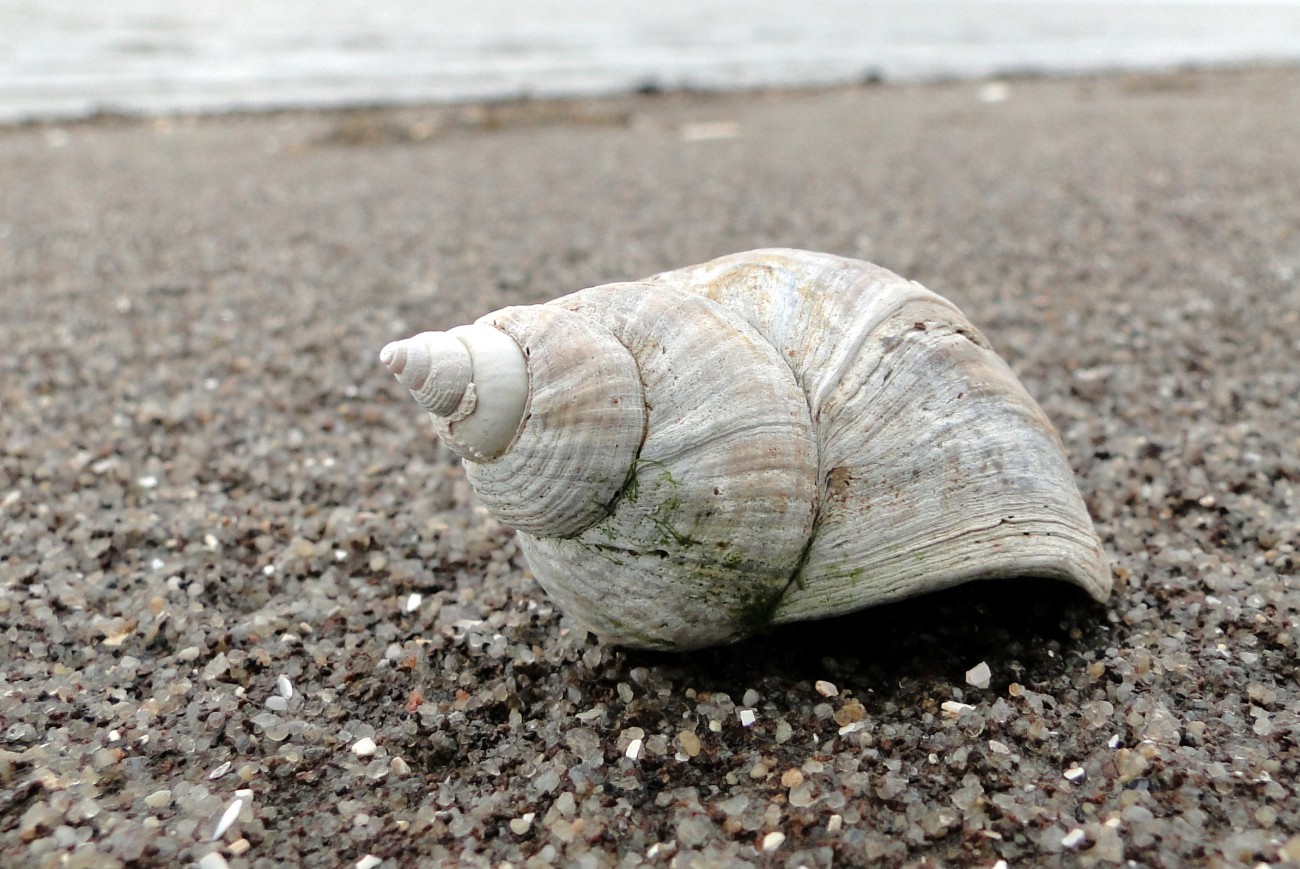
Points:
(826, 689)
(228, 819)
(979, 675)
(212, 860)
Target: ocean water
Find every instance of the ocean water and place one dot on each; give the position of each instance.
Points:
(65, 58)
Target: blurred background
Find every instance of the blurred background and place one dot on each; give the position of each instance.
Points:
(69, 58)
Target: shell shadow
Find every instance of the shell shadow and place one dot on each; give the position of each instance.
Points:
(1027, 631)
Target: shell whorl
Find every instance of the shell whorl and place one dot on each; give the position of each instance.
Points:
(581, 429)
(936, 466)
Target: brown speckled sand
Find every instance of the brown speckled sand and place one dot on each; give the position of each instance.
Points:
(244, 595)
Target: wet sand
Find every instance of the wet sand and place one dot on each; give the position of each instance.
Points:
(249, 608)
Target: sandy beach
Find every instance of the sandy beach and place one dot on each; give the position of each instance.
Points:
(251, 615)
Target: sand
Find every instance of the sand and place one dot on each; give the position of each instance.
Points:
(250, 614)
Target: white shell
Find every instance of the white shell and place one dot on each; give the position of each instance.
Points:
(768, 437)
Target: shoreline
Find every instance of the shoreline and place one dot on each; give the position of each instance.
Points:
(648, 91)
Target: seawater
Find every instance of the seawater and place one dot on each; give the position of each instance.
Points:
(65, 58)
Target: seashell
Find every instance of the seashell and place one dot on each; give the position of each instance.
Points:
(768, 437)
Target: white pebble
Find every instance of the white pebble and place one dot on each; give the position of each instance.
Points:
(747, 717)
(149, 482)
(979, 675)
(364, 747)
(1113, 742)
(998, 747)
(521, 825)
(707, 131)
(227, 819)
(370, 861)
(219, 771)
(954, 709)
(994, 92)
(1001, 864)
(826, 689)
(1074, 773)
(1073, 839)
(772, 841)
(413, 602)
(634, 750)
(284, 686)
(834, 823)
(159, 799)
(212, 860)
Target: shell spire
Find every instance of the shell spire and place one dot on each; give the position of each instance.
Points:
(436, 368)
(473, 381)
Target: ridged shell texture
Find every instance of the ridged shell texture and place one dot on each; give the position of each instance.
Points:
(768, 437)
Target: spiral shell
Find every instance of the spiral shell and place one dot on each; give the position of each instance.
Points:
(768, 437)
